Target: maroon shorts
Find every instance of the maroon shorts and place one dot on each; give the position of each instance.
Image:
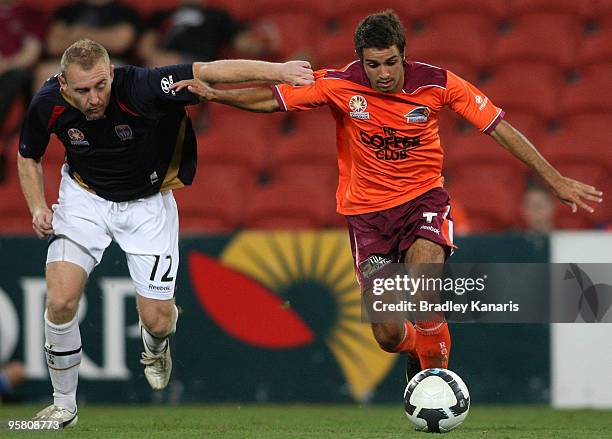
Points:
(380, 238)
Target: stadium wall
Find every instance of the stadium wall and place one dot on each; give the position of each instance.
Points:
(267, 316)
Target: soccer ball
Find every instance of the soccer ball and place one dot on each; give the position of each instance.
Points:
(436, 400)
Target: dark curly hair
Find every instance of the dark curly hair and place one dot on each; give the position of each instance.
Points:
(380, 30)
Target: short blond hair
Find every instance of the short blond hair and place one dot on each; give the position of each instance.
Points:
(84, 53)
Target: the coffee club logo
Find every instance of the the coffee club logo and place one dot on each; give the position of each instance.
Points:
(284, 290)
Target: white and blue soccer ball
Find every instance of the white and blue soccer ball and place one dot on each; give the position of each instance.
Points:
(436, 400)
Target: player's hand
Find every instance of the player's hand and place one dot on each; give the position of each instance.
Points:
(295, 73)
(41, 222)
(199, 88)
(574, 193)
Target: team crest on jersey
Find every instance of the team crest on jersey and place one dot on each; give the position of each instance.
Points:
(124, 132)
(77, 137)
(358, 105)
(417, 115)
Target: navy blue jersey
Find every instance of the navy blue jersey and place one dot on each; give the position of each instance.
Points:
(144, 144)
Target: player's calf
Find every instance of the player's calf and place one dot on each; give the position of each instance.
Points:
(433, 344)
(395, 337)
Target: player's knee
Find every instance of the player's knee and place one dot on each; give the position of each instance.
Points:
(388, 338)
(62, 308)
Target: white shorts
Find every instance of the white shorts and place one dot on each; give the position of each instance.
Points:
(146, 229)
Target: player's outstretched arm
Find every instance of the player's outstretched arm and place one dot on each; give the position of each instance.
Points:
(31, 179)
(570, 192)
(242, 70)
(259, 100)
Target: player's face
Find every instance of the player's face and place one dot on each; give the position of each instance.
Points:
(385, 68)
(89, 89)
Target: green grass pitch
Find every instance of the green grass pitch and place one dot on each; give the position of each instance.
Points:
(310, 421)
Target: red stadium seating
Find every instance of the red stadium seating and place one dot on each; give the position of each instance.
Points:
(258, 8)
(229, 118)
(491, 195)
(580, 139)
(573, 7)
(579, 150)
(232, 147)
(600, 7)
(463, 38)
(539, 38)
(491, 9)
(221, 147)
(527, 46)
(362, 8)
(216, 201)
(289, 206)
(334, 49)
(596, 47)
(526, 87)
(591, 93)
(473, 150)
(310, 137)
(296, 31)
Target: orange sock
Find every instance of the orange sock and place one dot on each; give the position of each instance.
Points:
(433, 344)
(408, 343)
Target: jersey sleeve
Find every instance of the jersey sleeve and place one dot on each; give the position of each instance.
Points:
(151, 92)
(299, 98)
(465, 99)
(35, 131)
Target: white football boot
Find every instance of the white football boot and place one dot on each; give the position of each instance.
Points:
(158, 367)
(54, 413)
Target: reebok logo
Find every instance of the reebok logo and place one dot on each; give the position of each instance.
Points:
(430, 228)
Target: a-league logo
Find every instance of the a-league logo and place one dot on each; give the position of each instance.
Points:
(358, 105)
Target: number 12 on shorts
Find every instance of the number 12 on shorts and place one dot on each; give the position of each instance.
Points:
(166, 277)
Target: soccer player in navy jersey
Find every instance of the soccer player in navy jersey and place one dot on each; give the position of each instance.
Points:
(129, 143)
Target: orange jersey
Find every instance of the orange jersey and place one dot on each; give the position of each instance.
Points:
(389, 149)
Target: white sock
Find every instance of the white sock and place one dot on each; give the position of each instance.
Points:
(63, 352)
(155, 345)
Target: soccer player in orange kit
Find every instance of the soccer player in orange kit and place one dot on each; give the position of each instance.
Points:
(390, 161)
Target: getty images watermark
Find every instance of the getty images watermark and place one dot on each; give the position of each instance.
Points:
(488, 293)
